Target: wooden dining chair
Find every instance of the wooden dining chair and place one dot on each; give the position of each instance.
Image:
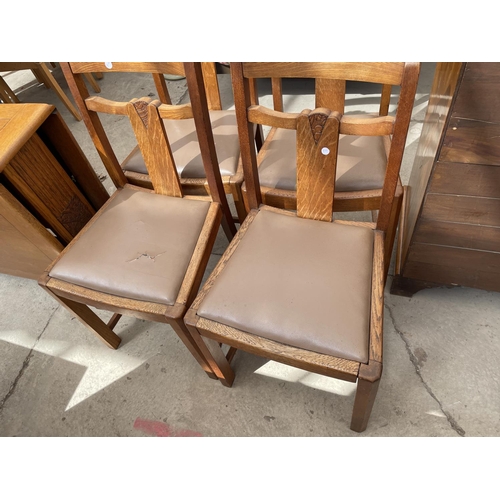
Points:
(299, 288)
(182, 134)
(362, 160)
(144, 252)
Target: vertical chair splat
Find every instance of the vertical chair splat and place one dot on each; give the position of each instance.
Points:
(317, 144)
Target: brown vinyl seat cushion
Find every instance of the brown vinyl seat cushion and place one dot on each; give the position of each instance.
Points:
(139, 247)
(300, 282)
(361, 162)
(186, 150)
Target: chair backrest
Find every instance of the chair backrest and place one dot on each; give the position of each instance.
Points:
(317, 132)
(329, 94)
(74, 75)
(204, 95)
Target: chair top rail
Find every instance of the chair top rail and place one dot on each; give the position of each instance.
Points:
(171, 68)
(376, 72)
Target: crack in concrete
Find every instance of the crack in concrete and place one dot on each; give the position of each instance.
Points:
(26, 363)
(453, 423)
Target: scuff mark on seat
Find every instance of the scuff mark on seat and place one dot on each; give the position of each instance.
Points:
(146, 255)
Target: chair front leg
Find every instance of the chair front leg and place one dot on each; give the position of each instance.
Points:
(90, 319)
(213, 353)
(368, 382)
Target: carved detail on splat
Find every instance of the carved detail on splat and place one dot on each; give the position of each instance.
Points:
(142, 110)
(317, 122)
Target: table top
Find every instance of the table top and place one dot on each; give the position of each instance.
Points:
(18, 122)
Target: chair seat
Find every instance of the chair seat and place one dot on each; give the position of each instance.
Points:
(300, 282)
(186, 150)
(361, 162)
(139, 247)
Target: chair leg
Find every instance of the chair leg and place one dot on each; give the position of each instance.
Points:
(365, 395)
(391, 232)
(40, 77)
(59, 91)
(6, 93)
(90, 78)
(214, 355)
(183, 333)
(89, 319)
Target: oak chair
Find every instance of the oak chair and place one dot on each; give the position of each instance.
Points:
(182, 134)
(144, 252)
(299, 288)
(362, 160)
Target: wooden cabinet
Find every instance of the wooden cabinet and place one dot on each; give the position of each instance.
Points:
(450, 232)
(46, 183)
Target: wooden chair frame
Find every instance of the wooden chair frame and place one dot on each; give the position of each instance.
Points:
(192, 186)
(330, 93)
(315, 201)
(145, 116)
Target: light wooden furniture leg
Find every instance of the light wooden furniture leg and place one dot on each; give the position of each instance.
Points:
(6, 93)
(90, 78)
(59, 91)
(40, 77)
(213, 354)
(88, 318)
(180, 328)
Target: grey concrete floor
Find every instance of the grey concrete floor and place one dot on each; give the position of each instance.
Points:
(56, 379)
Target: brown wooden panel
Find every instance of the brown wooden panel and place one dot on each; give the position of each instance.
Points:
(26, 247)
(466, 179)
(42, 182)
(457, 235)
(464, 209)
(464, 258)
(18, 255)
(450, 275)
(59, 139)
(479, 96)
(471, 141)
(443, 88)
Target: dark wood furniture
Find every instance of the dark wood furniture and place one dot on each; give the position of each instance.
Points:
(299, 288)
(45, 182)
(144, 252)
(451, 226)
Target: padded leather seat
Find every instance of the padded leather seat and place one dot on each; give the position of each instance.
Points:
(301, 282)
(186, 150)
(361, 162)
(130, 252)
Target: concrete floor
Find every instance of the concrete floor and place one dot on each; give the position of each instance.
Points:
(56, 379)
